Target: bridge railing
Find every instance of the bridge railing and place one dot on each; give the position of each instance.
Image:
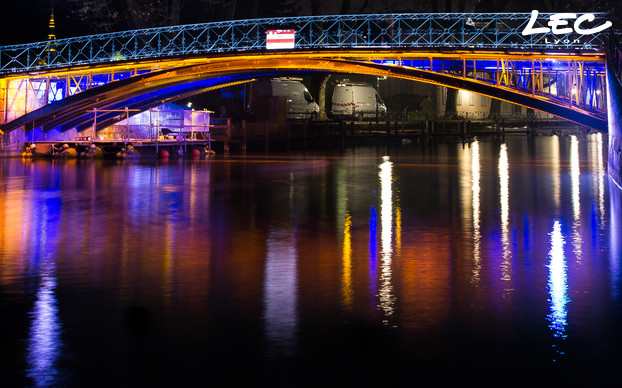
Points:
(364, 31)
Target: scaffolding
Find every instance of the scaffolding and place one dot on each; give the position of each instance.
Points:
(163, 124)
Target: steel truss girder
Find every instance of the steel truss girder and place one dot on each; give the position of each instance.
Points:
(363, 31)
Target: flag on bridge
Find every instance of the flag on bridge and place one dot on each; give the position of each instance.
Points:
(280, 39)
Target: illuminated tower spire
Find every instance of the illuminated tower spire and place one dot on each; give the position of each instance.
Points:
(51, 25)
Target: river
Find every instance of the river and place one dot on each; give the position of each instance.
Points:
(488, 262)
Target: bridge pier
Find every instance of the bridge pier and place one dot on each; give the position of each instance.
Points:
(614, 110)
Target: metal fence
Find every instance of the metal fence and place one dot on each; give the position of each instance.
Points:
(344, 32)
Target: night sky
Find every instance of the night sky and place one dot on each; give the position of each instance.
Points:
(26, 21)
(23, 21)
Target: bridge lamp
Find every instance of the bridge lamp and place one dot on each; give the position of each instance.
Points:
(189, 105)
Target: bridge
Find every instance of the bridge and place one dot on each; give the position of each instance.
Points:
(59, 84)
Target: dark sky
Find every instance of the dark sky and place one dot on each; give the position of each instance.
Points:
(23, 21)
(26, 21)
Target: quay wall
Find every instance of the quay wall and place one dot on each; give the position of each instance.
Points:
(614, 111)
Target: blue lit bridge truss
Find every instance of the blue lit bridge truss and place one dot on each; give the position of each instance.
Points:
(48, 82)
(405, 31)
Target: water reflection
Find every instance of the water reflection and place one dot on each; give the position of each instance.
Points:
(557, 283)
(346, 280)
(44, 337)
(504, 194)
(373, 251)
(475, 178)
(280, 292)
(555, 174)
(575, 173)
(470, 184)
(387, 299)
(247, 261)
(600, 161)
(615, 239)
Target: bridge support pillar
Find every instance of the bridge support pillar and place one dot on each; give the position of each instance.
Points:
(614, 118)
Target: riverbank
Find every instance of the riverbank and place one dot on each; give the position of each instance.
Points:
(302, 135)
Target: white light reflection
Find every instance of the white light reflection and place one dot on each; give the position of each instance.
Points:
(44, 337)
(576, 204)
(600, 171)
(504, 191)
(386, 298)
(280, 293)
(556, 173)
(558, 286)
(574, 175)
(475, 188)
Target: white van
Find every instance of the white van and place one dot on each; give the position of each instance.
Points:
(300, 103)
(357, 101)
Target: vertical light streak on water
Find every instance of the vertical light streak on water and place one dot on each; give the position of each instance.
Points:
(576, 204)
(600, 171)
(475, 189)
(342, 198)
(504, 195)
(557, 283)
(280, 293)
(44, 335)
(346, 277)
(615, 239)
(386, 298)
(373, 249)
(464, 163)
(555, 176)
(398, 228)
(168, 262)
(292, 186)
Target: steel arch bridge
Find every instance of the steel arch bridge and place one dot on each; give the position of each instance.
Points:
(58, 84)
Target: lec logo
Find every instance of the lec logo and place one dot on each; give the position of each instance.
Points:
(558, 24)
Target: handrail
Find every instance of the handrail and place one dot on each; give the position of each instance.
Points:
(483, 31)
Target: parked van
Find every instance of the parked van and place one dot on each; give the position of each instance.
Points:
(300, 103)
(357, 101)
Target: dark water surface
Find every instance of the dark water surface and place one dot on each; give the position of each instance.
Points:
(494, 263)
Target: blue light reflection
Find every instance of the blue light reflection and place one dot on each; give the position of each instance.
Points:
(373, 246)
(44, 336)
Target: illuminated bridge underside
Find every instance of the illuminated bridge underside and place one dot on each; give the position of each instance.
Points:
(523, 79)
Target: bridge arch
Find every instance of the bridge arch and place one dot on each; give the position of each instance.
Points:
(141, 92)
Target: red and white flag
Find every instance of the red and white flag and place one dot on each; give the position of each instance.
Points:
(280, 39)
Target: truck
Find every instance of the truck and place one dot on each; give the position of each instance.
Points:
(300, 104)
(358, 101)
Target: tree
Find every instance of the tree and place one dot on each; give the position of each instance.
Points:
(151, 13)
(89, 16)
